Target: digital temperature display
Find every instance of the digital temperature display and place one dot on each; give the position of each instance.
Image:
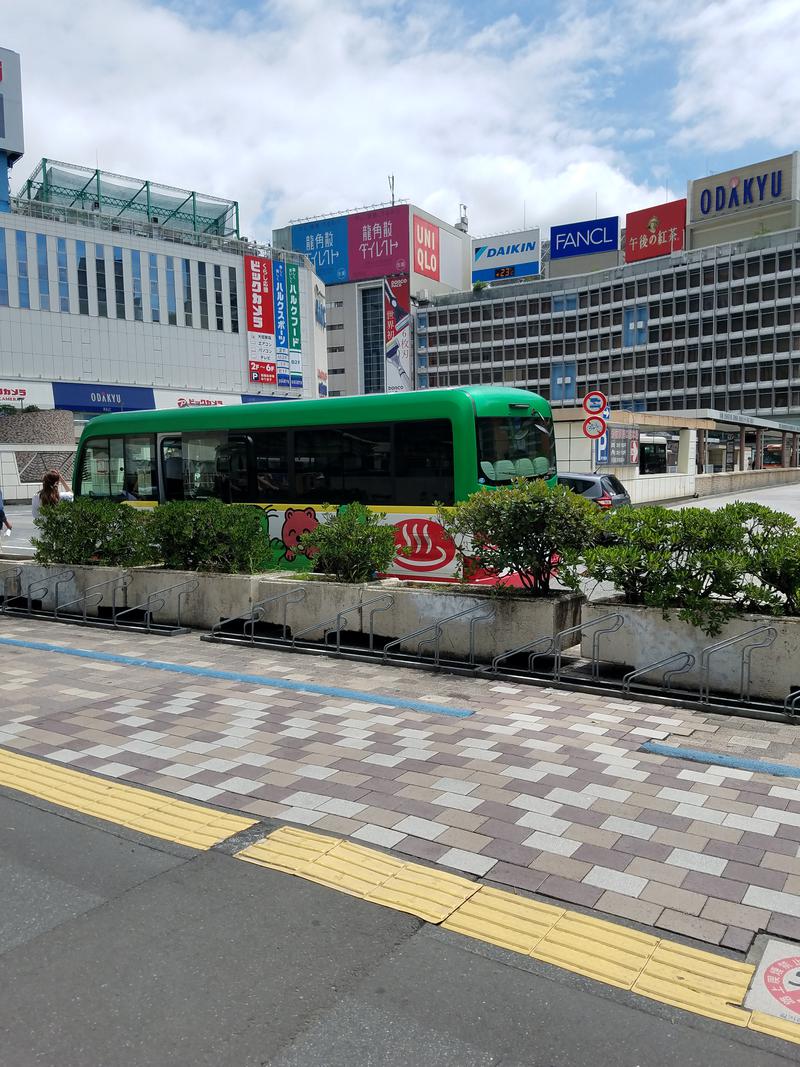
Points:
(505, 272)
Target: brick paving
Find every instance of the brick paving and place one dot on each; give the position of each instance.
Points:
(541, 790)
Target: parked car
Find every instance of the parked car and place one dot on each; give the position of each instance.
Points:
(604, 489)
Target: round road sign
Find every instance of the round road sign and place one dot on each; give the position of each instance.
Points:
(595, 403)
(594, 426)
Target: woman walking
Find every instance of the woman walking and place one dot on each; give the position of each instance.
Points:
(54, 489)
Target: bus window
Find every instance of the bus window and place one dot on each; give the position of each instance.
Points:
(514, 446)
(271, 452)
(200, 463)
(93, 476)
(140, 480)
(424, 463)
(367, 464)
(172, 468)
(319, 466)
(119, 468)
(232, 478)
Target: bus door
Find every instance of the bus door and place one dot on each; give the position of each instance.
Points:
(233, 467)
(171, 453)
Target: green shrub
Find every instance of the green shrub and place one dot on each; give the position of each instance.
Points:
(207, 535)
(693, 560)
(771, 542)
(353, 546)
(521, 529)
(93, 531)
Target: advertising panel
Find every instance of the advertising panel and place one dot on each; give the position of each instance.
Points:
(265, 373)
(325, 244)
(655, 231)
(619, 447)
(377, 242)
(735, 191)
(77, 396)
(20, 394)
(166, 398)
(295, 338)
(397, 325)
(11, 135)
(426, 248)
(584, 238)
(260, 309)
(509, 255)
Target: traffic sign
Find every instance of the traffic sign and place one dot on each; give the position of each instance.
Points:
(595, 403)
(594, 427)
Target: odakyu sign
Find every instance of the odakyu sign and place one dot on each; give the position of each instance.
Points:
(584, 238)
(507, 255)
(756, 186)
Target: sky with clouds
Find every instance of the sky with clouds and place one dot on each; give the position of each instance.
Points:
(544, 111)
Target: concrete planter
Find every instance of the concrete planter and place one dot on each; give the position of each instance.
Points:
(647, 637)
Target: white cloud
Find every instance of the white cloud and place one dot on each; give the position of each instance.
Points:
(738, 72)
(306, 108)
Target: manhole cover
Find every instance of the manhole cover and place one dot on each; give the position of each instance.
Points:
(776, 984)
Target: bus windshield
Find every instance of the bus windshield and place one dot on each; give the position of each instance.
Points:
(511, 446)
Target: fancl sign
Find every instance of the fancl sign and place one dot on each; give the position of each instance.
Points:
(757, 186)
(584, 238)
(509, 255)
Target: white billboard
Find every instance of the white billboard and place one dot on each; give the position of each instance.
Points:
(11, 139)
(507, 255)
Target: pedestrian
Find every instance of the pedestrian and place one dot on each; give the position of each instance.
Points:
(5, 525)
(54, 489)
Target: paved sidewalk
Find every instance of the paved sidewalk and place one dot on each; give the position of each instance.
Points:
(540, 790)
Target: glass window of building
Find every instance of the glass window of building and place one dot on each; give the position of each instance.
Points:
(234, 298)
(43, 272)
(83, 278)
(155, 302)
(22, 269)
(202, 277)
(172, 305)
(3, 270)
(136, 270)
(119, 283)
(63, 274)
(218, 315)
(187, 292)
(373, 344)
(100, 270)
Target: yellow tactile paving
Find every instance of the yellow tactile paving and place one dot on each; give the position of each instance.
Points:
(611, 953)
(516, 923)
(697, 981)
(137, 809)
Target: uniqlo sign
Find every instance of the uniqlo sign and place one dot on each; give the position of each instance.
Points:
(426, 248)
(655, 231)
(258, 290)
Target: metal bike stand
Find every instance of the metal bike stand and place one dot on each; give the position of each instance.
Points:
(155, 602)
(335, 623)
(790, 706)
(687, 662)
(253, 616)
(92, 596)
(5, 578)
(769, 633)
(436, 629)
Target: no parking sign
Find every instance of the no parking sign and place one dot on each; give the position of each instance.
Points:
(595, 403)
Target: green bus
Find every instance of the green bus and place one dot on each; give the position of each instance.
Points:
(399, 453)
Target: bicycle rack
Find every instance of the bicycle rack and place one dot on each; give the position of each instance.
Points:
(155, 602)
(5, 578)
(334, 624)
(42, 588)
(437, 631)
(256, 614)
(790, 706)
(553, 645)
(92, 596)
(688, 662)
(769, 632)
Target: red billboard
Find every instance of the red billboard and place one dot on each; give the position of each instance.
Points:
(655, 231)
(426, 248)
(266, 373)
(258, 295)
(377, 243)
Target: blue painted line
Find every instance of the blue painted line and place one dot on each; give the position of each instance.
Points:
(699, 755)
(250, 679)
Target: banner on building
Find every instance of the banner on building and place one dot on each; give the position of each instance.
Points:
(260, 309)
(378, 242)
(509, 255)
(584, 238)
(12, 140)
(733, 191)
(264, 373)
(426, 248)
(397, 326)
(325, 244)
(655, 231)
(295, 336)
